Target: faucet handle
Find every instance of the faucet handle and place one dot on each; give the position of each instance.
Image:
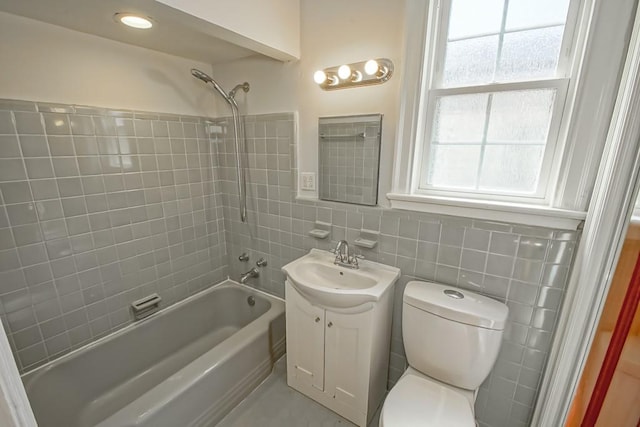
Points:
(332, 250)
(355, 258)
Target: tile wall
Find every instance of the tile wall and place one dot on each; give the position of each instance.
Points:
(523, 266)
(99, 208)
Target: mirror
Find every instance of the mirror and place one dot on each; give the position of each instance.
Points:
(349, 158)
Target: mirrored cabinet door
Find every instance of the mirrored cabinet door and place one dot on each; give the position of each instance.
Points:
(349, 158)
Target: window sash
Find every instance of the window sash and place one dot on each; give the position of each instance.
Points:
(550, 160)
(439, 27)
(433, 66)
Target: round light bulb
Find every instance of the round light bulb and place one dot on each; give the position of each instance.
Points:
(371, 67)
(319, 77)
(344, 72)
(134, 21)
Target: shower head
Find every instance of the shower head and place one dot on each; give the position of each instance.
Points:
(201, 75)
(208, 79)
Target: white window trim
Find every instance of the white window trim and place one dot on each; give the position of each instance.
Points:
(519, 213)
(614, 196)
(589, 103)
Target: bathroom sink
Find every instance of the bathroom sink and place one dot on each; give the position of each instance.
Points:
(322, 282)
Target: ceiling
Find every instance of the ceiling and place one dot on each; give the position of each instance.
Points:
(174, 32)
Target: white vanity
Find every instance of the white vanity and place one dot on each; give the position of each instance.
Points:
(338, 332)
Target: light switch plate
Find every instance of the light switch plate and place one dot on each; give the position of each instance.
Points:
(308, 181)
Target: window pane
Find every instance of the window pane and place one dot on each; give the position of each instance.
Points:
(470, 61)
(520, 116)
(505, 159)
(530, 54)
(460, 118)
(536, 13)
(511, 168)
(474, 18)
(526, 47)
(454, 166)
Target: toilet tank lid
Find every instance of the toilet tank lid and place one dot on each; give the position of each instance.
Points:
(456, 304)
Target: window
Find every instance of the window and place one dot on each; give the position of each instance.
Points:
(506, 107)
(497, 74)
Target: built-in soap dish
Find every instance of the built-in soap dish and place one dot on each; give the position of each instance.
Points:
(368, 239)
(321, 230)
(145, 307)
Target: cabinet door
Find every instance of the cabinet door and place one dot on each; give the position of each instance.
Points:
(305, 339)
(347, 354)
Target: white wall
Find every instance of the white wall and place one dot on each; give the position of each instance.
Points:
(333, 32)
(274, 23)
(47, 63)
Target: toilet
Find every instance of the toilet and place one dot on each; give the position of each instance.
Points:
(451, 339)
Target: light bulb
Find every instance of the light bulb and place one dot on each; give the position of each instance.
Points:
(319, 77)
(344, 72)
(371, 67)
(134, 21)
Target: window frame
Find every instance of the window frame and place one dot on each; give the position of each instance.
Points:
(434, 65)
(588, 107)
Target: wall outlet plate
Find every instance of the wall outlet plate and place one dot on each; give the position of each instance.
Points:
(308, 181)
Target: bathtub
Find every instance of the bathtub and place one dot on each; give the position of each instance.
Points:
(187, 365)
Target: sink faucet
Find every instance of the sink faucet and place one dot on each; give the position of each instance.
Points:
(343, 258)
(342, 251)
(248, 275)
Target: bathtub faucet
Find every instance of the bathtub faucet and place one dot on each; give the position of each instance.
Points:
(248, 275)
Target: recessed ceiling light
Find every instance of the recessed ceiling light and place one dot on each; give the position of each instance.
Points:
(134, 21)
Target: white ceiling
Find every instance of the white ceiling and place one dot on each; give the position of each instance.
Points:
(174, 32)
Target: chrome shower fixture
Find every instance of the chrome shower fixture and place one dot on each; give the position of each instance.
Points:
(244, 86)
(238, 132)
(201, 75)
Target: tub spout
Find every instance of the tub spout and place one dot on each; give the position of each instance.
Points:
(248, 275)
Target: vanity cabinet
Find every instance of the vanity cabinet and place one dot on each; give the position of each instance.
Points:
(339, 357)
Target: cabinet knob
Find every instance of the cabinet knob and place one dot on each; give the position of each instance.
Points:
(317, 319)
(330, 324)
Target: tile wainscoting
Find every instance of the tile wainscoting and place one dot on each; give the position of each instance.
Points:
(100, 208)
(525, 267)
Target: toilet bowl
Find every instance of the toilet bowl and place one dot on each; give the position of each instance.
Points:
(452, 338)
(419, 401)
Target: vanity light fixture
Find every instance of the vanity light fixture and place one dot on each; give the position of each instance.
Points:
(373, 71)
(133, 20)
(344, 72)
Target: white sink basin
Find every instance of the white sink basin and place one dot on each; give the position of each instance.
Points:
(322, 282)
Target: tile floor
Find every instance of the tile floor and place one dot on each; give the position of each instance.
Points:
(274, 404)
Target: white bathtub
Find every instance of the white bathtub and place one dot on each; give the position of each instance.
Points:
(187, 365)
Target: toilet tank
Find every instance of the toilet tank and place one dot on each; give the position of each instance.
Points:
(450, 334)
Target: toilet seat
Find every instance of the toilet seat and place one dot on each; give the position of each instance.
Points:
(416, 401)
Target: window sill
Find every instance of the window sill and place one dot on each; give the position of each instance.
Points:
(539, 216)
